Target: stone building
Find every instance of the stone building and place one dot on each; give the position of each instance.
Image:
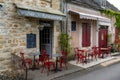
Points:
(29, 25)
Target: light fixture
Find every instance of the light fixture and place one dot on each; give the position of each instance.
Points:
(40, 27)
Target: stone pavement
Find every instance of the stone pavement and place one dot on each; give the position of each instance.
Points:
(37, 75)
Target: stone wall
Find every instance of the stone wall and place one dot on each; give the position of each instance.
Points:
(13, 28)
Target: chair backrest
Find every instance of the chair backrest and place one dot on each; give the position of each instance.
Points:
(64, 53)
(22, 55)
(81, 53)
(76, 50)
(43, 51)
(44, 56)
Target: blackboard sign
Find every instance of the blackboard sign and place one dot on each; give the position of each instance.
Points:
(31, 40)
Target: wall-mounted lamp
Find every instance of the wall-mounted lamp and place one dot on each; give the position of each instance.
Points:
(41, 27)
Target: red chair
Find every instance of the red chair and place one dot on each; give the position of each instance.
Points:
(25, 61)
(63, 59)
(109, 50)
(41, 57)
(76, 51)
(81, 57)
(99, 52)
(94, 52)
(47, 63)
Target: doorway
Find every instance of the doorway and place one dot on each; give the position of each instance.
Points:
(46, 37)
(103, 32)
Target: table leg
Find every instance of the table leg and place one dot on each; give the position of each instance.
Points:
(34, 64)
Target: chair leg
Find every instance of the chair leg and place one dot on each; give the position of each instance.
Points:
(60, 65)
(66, 65)
(96, 57)
(83, 61)
(78, 60)
(43, 68)
(48, 70)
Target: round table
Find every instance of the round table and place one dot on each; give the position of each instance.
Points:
(57, 55)
(34, 55)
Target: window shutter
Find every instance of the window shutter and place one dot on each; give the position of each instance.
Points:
(116, 33)
(84, 34)
(88, 34)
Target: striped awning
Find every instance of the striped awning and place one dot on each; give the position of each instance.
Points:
(40, 12)
(91, 17)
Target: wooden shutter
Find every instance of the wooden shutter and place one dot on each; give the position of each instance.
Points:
(84, 34)
(88, 35)
(116, 33)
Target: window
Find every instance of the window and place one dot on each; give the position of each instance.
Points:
(86, 34)
(31, 40)
(1, 7)
(73, 25)
(103, 3)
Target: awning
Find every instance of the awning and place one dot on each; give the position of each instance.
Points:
(90, 16)
(39, 12)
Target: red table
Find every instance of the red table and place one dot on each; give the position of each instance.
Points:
(104, 50)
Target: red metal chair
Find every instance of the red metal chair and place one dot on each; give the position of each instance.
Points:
(94, 52)
(99, 52)
(109, 50)
(25, 61)
(63, 59)
(81, 57)
(41, 57)
(76, 51)
(47, 63)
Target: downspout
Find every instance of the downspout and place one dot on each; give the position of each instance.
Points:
(66, 16)
(62, 10)
(97, 33)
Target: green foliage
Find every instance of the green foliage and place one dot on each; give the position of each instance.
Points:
(111, 13)
(64, 42)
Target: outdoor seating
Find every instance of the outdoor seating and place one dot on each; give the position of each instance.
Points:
(63, 59)
(47, 63)
(25, 62)
(106, 51)
(41, 57)
(81, 57)
(94, 53)
(109, 50)
(76, 51)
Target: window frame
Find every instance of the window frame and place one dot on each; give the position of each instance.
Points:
(73, 26)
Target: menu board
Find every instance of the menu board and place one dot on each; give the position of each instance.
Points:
(31, 40)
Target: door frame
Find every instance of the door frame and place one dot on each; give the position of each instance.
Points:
(103, 32)
(51, 36)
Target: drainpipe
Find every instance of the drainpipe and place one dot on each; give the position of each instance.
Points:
(66, 7)
(63, 8)
(97, 34)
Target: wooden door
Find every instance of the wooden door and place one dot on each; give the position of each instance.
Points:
(103, 37)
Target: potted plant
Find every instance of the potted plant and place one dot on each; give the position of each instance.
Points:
(64, 42)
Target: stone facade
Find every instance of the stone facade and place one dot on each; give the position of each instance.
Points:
(13, 28)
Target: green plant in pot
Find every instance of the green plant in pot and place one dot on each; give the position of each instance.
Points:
(64, 42)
